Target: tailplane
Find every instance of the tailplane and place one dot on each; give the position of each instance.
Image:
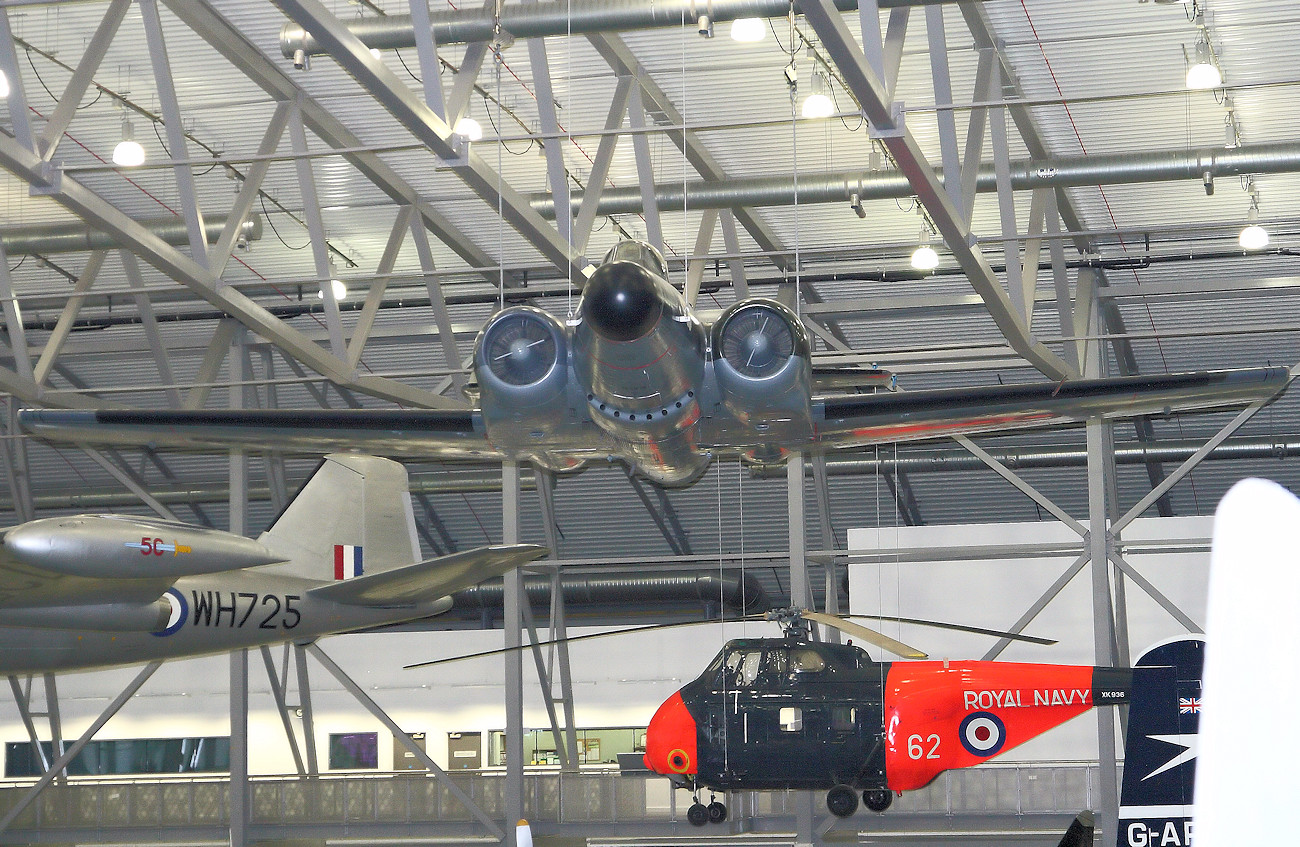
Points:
(1160, 750)
(351, 517)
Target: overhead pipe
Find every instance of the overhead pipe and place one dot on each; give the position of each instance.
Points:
(932, 461)
(538, 20)
(1061, 172)
(740, 591)
(73, 237)
(95, 501)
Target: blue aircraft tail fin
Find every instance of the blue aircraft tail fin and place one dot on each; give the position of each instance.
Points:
(1160, 749)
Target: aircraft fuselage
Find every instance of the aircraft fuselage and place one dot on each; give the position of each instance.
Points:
(202, 615)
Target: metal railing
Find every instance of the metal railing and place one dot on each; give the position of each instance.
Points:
(596, 796)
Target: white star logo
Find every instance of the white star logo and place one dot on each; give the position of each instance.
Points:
(1187, 742)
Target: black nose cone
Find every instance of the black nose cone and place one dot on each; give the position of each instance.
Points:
(621, 302)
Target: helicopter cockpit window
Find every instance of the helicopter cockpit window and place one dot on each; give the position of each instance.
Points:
(741, 668)
(806, 661)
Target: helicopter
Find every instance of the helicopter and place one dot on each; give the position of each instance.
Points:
(797, 713)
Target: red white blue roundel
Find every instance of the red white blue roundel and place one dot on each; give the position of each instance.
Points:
(982, 733)
(180, 610)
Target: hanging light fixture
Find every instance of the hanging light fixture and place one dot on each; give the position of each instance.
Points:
(1203, 73)
(748, 29)
(336, 285)
(817, 104)
(1253, 236)
(128, 153)
(468, 128)
(923, 257)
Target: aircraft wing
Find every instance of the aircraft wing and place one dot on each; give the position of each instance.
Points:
(391, 432)
(857, 420)
(425, 581)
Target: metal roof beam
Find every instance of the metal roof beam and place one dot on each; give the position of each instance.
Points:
(619, 57)
(25, 164)
(250, 60)
(870, 93)
(425, 125)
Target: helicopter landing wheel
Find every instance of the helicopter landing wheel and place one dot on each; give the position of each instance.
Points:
(697, 814)
(717, 812)
(842, 801)
(877, 799)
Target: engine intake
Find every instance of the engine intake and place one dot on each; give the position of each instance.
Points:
(761, 363)
(522, 353)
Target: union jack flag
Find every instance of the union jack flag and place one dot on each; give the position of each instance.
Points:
(1189, 705)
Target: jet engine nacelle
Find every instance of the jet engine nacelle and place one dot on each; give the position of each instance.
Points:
(762, 366)
(521, 362)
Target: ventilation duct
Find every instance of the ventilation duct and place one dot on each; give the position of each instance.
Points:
(740, 592)
(46, 239)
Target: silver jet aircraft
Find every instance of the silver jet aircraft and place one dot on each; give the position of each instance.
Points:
(635, 375)
(99, 590)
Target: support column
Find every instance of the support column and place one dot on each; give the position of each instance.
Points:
(514, 660)
(238, 748)
(800, 588)
(1100, 465)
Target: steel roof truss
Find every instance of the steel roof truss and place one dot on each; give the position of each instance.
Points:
(636, 115)
(316, 228)
(446, 335)
(375, 293)
(986, 89)
(699, 256)
(1021, 485)
(17, 334)
(553, 148)
(243, 55)
(17, 99)
(600, 165)
(149, 323)
(13, 456)
(249, 191)
(426, 50)
(59, 335)
(419, 119)
(217, 349)
(939, 72)
(879, 110)
(81, 78)
(735, 264)
(131, 480)
(616, 53)
(463, 87)
(177, 145)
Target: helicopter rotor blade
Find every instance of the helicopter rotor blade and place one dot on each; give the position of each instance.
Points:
(501, 651)
(997, 633)
(879, 639)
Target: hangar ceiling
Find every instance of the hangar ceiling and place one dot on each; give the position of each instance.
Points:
(1072, 122)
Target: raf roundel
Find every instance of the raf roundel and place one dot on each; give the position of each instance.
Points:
(180, 610)
(982, 734)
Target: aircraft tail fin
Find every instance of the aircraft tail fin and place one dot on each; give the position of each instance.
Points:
(351, 517)
(1160, 750)
(1080, 831)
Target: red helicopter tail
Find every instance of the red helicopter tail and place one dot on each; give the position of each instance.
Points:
(1160, 750)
